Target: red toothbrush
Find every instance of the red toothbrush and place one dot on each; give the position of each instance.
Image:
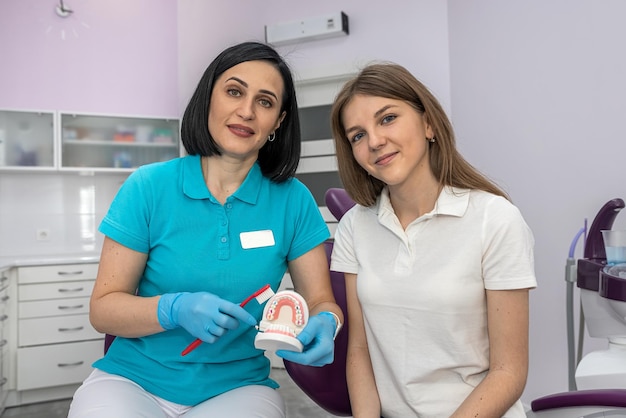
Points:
(262, 295)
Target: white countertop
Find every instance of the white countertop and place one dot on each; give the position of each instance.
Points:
(48, 259)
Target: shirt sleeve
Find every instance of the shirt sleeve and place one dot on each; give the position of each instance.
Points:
(343, 258)
(508, 242)
(311, 229)
(128, 217)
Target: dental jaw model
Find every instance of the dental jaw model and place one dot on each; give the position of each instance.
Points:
(284, 317)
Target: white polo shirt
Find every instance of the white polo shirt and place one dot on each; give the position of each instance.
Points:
(422, 291)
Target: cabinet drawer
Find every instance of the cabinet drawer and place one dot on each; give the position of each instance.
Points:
(61, 290)
(54, 307)
(55, 365)
(57, 329)
(57, 273)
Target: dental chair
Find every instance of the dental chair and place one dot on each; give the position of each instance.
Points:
(327, 385)
(108, 339)
(600, 377)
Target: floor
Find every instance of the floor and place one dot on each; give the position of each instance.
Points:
(298, 404)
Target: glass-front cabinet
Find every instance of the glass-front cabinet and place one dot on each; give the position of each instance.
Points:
(27, 140)
(115, 142)
(33, 140)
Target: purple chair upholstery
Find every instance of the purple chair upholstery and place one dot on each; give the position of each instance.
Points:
(595, 397)
(338, 202)
(108, 339)
(327, 385)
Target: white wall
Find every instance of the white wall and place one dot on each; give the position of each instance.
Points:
(538, 96)
(70, 206)
(411, 32)
(111, 56)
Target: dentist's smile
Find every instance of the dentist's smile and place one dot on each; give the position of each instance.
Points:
(241, 130)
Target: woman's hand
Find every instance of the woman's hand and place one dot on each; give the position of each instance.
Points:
(317, 339)
(204, 315)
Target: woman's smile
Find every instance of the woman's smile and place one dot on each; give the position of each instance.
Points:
(241, 130)
(386, 158)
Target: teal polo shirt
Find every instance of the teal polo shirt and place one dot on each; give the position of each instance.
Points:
(194, 243)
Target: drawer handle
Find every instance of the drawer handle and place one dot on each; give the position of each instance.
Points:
(78, 363)
(3, 279)
(5, 298)
(71, 329)
(3, 343)
(4, 318)
(78, 289)
(3, 381)
(70, 273)
(71, 307)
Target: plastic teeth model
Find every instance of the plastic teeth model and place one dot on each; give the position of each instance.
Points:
(284, 316)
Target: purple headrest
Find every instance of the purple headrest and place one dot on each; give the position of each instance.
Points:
(594, 247)
(338, 202)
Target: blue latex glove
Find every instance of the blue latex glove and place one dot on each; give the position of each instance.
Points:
(204, 315)
(317, 339)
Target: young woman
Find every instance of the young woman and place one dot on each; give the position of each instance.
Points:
(189, 239)
(437, 261)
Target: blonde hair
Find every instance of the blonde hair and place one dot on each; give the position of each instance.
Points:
(393, 81)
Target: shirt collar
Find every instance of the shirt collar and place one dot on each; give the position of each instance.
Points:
(452, 201)
(193, 180)
(251, 187)
(195, 187)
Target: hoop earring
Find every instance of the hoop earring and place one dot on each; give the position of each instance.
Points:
(272, 137)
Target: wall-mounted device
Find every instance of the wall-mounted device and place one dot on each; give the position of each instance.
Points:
(320, 27)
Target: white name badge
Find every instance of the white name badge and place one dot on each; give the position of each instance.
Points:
(256, 239)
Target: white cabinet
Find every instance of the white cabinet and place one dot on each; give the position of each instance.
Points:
(116, 142)
(56, 344)
(57, 364)
(5, 335)
(32, 141)
(26, 140)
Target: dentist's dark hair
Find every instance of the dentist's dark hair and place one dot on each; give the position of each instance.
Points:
(278, 159)
(393, 81)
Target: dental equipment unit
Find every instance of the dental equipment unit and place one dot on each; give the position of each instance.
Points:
(597, 381)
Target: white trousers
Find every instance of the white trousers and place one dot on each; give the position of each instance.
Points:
(104, 395)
